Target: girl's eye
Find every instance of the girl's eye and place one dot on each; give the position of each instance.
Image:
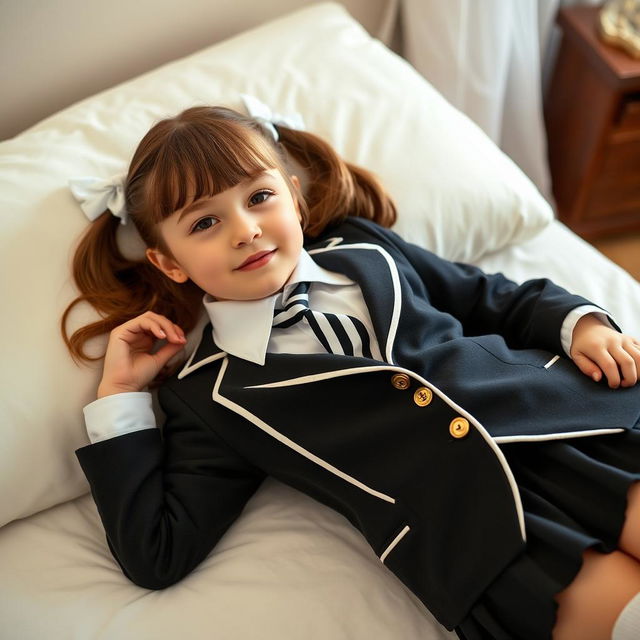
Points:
(260, 196)
(203, 224)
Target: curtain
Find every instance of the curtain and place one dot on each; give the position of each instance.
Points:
(492, 60)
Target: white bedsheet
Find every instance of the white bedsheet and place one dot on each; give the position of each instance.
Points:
(559, 254)
(289, 568)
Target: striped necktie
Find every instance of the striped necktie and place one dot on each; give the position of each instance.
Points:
(337, 332)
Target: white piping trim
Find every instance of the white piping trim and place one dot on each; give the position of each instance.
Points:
(190, 359)
(187, 369)
(552, 362)
(397, 539)
(317, 377)
(397, 299)
(557, 436)
(287, 441)
(483, 432)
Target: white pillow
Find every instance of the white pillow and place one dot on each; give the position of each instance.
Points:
(456, 194)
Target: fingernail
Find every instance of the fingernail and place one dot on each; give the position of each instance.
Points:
(596, 377)
(162, 334)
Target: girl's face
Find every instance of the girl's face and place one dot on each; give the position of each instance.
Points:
(241, 244)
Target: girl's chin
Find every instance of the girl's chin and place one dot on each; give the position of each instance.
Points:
(250, 295)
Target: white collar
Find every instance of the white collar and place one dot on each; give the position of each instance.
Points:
(243, 327)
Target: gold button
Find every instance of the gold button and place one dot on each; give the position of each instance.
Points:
(400, 381)
(422, 396)
(459, 427)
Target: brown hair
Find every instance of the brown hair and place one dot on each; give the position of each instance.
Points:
(199, 153)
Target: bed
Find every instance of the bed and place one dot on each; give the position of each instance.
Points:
(289, 567)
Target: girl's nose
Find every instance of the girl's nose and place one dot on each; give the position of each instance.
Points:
(245, 229)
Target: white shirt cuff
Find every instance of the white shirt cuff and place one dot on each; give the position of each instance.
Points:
(118, 414)
(569, 324)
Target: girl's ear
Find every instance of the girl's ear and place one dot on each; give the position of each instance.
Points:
(167, 265)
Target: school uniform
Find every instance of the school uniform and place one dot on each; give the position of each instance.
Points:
(471, 453)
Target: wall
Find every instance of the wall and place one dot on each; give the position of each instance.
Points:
(56, 52)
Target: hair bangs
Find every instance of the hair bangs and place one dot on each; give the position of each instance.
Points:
(203, 159)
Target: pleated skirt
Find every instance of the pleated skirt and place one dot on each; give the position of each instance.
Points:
(574, 494)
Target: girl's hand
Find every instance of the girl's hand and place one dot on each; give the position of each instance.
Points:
(599, 350)
(128, 364)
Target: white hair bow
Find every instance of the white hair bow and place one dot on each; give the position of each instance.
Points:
(261, 112)
(95, 195)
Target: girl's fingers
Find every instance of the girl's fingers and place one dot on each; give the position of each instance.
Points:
(628, 359)
(588, 366)
(632, 346)
(153, 327)
(165, 353)
(130, 360)
(168, 328)
(618, 361)
(598, 365)
(610, 369)
(158, 326)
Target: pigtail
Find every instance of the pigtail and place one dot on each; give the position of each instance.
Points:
(120, 288)
(336, 188)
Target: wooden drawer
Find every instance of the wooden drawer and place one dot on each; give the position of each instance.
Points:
(621, 158)
(629, 119)
(616, 190)
(613, 199)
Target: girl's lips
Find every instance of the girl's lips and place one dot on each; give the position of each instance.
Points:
(256, 261)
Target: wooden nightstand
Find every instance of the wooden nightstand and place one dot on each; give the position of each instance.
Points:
(592, 115)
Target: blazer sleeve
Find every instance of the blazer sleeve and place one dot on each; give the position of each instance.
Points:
(166, 498)
(527, 315)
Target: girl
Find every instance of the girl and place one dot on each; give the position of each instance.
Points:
(493, 476)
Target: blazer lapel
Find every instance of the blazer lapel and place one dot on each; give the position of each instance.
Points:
(375, 271)
(207, 351)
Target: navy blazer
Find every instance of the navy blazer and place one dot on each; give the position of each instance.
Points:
(406, 448)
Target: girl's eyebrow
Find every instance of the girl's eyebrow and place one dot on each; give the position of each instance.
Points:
(201, 204)
(194, 206)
